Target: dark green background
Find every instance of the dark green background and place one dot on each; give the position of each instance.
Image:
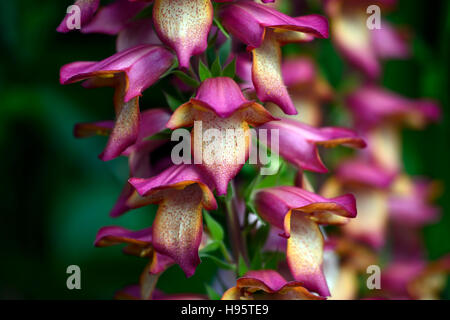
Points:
(55, 192)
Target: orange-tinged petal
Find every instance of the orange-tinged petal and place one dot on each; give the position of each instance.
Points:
(305, 252)
(177, 228)
(184, 26)
(267, 76)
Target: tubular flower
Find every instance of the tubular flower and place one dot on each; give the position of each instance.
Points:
(263, 30)
(129, 72)
(224, 114)
(307, 87)
(299, 213)
(181, 193)
(267, 285)
(409, 202)
(184, 26)
(372, 106)
(87, 10)
(361, 46)
(415, 279)
(139, 243)
(370, 185)
(380, 113)
(298, 142)
(152, 122)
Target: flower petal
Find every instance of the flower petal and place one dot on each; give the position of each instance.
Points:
(266, 75)
(248, 21)
(184, 26)
(175, 177)
(114, 17)
(274, 203)
(305, 252)
(298, 142)
(142, 65)
(136, 33)
(177, 228)
(371, 106)
(87, 11)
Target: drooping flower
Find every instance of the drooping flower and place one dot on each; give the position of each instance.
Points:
(410, 202)
(263, 30)
(181, 193)
(298, 142)
(183, 25)
(129, 72)
(152, 121)
(87, 11)
(299, 213)
(361, 46)
(379, 114)
(307, 88)
(415, 279)
(372, 106)
(221, 145)
(139, 243)
(267, 285)
(370, 185)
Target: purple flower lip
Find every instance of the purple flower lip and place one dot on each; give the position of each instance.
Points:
(372, 106)
(363, 173)
(248, 20)
(298, 142)
(142, 65)
(272, 284)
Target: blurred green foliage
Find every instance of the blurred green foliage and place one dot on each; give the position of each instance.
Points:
(57, 193)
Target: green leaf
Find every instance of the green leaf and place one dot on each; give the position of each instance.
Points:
(221, 264)
(173, 102)
(214, 227)
(170, 70)
(230, 70)
(216, 68)
(203, 71)
(225, 50)
(242, 267)
(221, 28)
(210, 247)
(212, 294)
(186, 79)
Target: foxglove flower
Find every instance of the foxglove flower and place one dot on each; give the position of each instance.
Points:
(181, 193)
(263, 30)
(129, 72)
(88, 9)
(298, 142)
(370, 184)
(415, 279)
(380, 113)
(409, 202)
(219, 105)
(266, 285)
(307, 88)
(139, 243)
(183, 25)
(361, 46)
(299, 213)
(152, 122)
(372, 106)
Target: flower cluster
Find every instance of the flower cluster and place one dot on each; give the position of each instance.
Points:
(223, 68)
